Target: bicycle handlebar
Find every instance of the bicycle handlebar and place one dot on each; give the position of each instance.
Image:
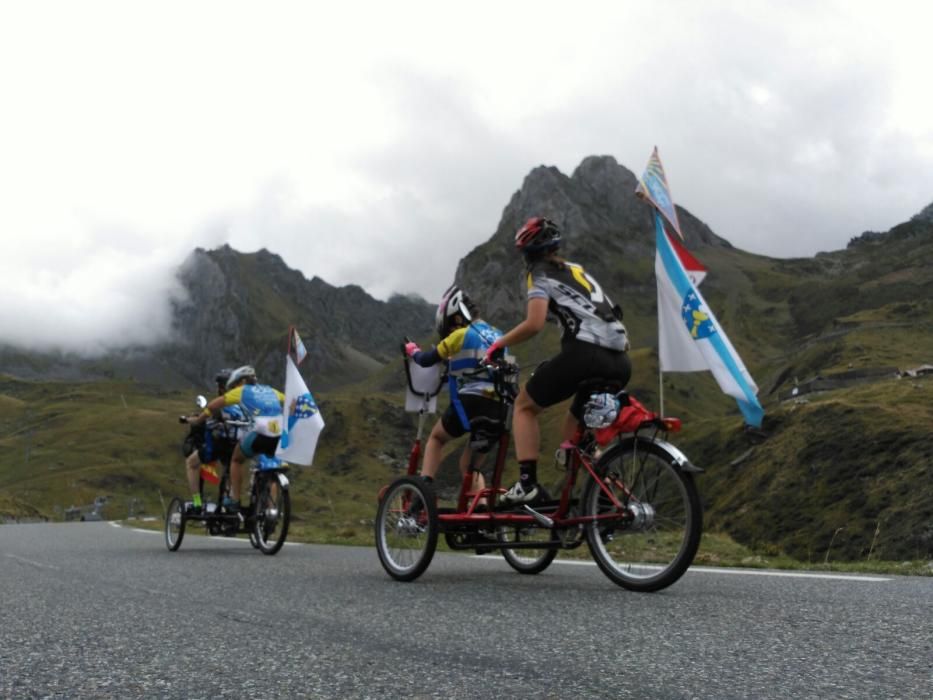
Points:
(504, 374)
(212, 422)
(406, 363)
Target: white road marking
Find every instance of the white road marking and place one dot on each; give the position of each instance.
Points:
(734, 572)
(32, 563)
(225, 539)
(787, 574)
(692, 570)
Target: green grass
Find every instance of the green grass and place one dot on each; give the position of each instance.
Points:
(856, 459)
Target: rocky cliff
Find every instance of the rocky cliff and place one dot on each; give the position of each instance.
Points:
(241, 305)
(605, 226)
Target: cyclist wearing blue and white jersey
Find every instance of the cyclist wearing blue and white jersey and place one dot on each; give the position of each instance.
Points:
(263, 406)
(472, 394)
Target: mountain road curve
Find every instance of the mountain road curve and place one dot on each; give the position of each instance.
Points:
(98, 610)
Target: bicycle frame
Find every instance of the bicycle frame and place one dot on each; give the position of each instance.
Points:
(635, 503)
(218, 520)
(469, 516)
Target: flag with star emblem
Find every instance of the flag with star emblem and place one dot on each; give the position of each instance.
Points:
(304, 424)
(690, 338)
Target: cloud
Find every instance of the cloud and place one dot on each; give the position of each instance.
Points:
(90, 301)
(379, 153)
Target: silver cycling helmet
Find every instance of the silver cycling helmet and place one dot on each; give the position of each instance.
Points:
(244, 372)
(601, 410)
(455, 301)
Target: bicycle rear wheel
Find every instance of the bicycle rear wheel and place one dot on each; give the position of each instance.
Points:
(406, 528)
(174, 524)
(649, 542)
(526, 561)
(272, 514)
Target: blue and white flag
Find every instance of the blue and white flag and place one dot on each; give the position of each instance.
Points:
(690, 338)
(304, 423)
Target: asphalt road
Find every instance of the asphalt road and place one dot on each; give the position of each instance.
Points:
(99, 611)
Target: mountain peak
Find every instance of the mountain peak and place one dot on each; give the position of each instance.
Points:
(926, 214)
(605, 172)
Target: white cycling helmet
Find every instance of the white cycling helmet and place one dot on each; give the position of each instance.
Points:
(455, 301)
(244, 372)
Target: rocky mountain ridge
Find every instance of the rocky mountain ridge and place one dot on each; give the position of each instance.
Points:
(240, 305)
(244, 303)
(237, 310)
(603, 223)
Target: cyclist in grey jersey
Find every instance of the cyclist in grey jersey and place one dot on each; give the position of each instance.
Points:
(578, 302)
(593, 345)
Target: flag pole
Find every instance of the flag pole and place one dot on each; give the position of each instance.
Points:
(661, 384)
(657, 282)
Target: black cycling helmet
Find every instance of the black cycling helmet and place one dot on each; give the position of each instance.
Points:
(222, 376)
(537, 237)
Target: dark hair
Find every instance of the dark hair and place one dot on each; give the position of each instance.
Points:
(548, 256)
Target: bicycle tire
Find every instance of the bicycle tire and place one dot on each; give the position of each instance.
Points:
(406, 543)
(525, 561)
(271, 514)
(656, 542)
(175, 524)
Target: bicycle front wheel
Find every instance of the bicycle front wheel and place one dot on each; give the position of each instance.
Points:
(174, 524)
(647, 541)
(271, 515)
(406, 528)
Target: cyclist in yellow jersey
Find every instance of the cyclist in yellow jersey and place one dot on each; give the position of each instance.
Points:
(263, 406)
(465, 338)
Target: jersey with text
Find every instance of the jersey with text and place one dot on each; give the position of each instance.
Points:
(578, 303)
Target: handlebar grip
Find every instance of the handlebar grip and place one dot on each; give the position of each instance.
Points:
(182, 419)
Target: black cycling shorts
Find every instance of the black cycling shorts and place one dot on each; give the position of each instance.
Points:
(220, 449)
(558, 379)
(475, 407)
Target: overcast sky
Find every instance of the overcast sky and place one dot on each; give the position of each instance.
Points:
(358, 140)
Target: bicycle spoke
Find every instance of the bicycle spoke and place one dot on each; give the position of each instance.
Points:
(406, 529)
(654, 536)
